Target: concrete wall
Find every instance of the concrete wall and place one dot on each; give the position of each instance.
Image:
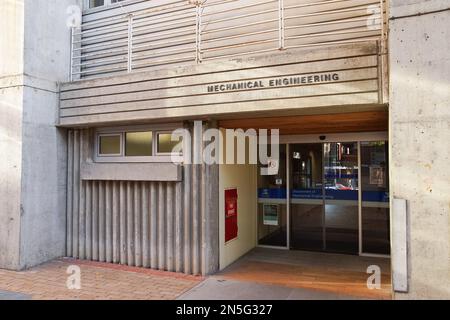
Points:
(46, 63)
(11, 65)
(244, 178)
(11, 42)
(10, 172)
(43, 197)
(47, 39)
(420, 130)
(35, 58)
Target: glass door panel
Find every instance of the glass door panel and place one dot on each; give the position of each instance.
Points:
(272, 206)
(306, 207)
(323, 197)
(375, 197)
(340, 161)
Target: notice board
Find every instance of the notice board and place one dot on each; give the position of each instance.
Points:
(231, 214)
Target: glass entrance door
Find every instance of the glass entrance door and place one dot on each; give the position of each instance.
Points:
(272, 206)
(341, 205)
(375, 237)
(324, 197)
(330, 197)
(306, 200)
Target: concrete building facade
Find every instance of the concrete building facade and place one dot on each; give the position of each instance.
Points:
(34, 53)
(419, 124)
(358, 90)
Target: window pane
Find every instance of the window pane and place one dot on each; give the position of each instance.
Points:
(138, 144)
(109, 145)
(272, 203)
(165, 143)
(96, 3)
(375, 197)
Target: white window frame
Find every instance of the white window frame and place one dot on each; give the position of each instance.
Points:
(106, 4)
(155, 158)
(112, 134)
(155, 145)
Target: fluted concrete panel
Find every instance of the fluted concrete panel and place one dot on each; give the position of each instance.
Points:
(151, 224)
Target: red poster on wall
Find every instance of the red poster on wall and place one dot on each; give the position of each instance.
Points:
(231, 222)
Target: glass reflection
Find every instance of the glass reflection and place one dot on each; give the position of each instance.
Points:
(375, 194)
(272, 208)
(138, 144)
(341, 197)
(306, 197)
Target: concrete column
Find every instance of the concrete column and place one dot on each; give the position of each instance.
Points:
(419, 133)
(34, 58)
(211, 215)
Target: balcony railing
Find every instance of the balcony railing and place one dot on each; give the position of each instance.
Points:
(193, 32)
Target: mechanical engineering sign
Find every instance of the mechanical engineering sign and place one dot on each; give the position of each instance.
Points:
(274, 82)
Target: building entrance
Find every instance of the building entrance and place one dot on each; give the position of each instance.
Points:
(327, 196)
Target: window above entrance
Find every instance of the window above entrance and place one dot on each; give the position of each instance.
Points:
(137, 144)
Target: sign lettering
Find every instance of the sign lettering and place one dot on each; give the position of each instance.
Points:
(274, 82)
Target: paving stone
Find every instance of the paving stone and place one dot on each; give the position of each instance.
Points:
(98, 280)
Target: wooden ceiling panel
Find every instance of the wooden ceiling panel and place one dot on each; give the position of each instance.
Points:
(313, 124)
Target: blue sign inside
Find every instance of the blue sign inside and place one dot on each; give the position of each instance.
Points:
(330, 194)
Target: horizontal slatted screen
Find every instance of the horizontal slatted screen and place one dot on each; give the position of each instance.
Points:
(230, 28)
(312, 22)
(176, 93)
(164, 37)
(162, 33)
(101, 48)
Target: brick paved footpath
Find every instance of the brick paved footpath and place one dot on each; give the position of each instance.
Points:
(99, 281)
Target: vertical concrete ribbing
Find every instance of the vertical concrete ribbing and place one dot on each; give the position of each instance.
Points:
(187, 219)
(203, 203)
(115, 223)
(195, 219)
(161, 225)
(170, 227)
(76, 193)
(101, 222)
(196, 200)
(95, 222)
(82, 200)
(137, 225)
(145, 196)
(123, 223)
(130, 224)
(70, 190)
(153, 226)
(88, 220)
(108, 221)
(179, 231)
